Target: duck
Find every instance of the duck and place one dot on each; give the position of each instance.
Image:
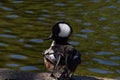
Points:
(61, 58)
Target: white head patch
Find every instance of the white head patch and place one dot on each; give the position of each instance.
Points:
(64, 30)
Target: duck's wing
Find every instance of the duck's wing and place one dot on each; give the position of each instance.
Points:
(68, 61)
(51, 55)
(73, 58)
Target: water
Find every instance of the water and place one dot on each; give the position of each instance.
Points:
(96, 25)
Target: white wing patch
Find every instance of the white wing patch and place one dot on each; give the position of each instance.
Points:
(49, 54)
(48, 51)
(52, 56)
(64, 30)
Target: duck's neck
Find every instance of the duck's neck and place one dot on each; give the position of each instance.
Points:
(58, 43)
(53, 43)
(61, 40)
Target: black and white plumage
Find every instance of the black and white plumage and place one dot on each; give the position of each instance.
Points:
(60, 32)
(61, 59)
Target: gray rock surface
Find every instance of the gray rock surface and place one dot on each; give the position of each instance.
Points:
(7, 74)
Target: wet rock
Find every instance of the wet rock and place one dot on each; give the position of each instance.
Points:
(7, 74)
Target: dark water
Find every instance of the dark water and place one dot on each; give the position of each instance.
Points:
(96, 24)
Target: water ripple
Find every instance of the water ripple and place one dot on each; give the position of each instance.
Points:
(99, 42)
(118, 1)
(41, 18)
(3, 44)
(78, 5)
(6, 8)
(29, 68)
(115, 57)
(113, 37)
(12, 16)
(82, 35)
(74, 42)
(102, 19)
(117, 48)
(17, 1)
(87, 31)
(8, 36)
(46, 15)
(59, 4)
(118, 78)
(12, 65)
(106, 28)
(104, 53)
(107, 0)
(105, 62)
(115, 21)
(28, 45)
(45, 10)
(111, 7)
(99, 70)
(87, 24)
(115, 44)
(118, 71)
(21, 40)
(29, 25)
(29, 12)
(37, 40)
(18, 56)
(60, 14)
(96, 1)
(78, 20)
(6, 30)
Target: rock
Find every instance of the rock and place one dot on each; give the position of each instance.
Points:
(7, 74)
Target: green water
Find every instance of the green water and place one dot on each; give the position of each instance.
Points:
(96, 25)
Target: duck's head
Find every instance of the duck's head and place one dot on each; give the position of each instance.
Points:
(61, 31)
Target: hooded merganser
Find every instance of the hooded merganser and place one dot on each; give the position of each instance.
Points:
(61, 59)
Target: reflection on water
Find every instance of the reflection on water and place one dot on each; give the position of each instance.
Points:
(99, 71)
(3, 44)
(17, 56)
(17, 1)
(102, 18)
(12, 65)
(6, 8)
(28, 45)
(37, 40)
(118, 71)
(82, 35)
(24, 25)
(87, 30)
(115, 44)
(7, 36)
(74, 43)
(12, 16)
(104, 53)
(9, 31)
(114, 37)
(29, 68)
(29, 12)
(21, 40)
(115, 57)
(99, 42)
(106, 62)
(87, 24)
